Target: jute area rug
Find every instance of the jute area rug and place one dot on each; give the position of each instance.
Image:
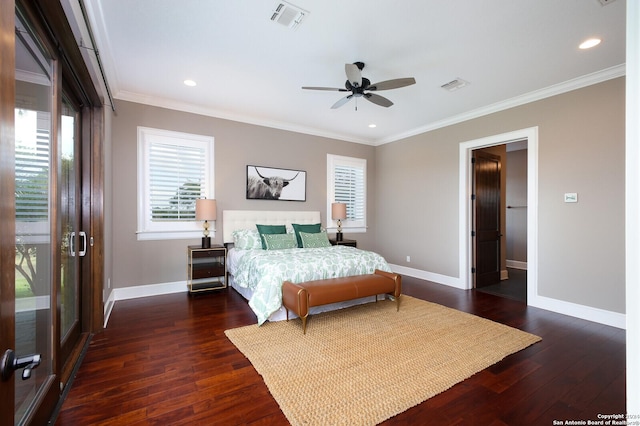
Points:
(363, 365)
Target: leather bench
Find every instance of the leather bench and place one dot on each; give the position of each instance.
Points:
(302, 296)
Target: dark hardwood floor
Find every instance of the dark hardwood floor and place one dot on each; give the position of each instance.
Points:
(165, 360)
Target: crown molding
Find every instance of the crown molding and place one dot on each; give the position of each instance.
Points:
(556, 89)
(210, 112)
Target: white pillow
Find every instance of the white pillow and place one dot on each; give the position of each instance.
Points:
(246, 239)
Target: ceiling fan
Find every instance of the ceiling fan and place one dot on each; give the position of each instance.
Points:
(360, 87)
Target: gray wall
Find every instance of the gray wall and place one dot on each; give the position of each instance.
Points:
(236, 145)
(413, 190)
(581, 149)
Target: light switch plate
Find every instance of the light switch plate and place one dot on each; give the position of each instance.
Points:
(570, 197)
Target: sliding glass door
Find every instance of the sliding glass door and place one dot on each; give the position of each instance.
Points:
(50, 197)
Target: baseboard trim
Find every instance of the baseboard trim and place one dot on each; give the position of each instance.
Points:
(428, 276)
(601, 316)
(134, 292)
(108, 308)
(588, 313)
(504, 275)
(516, 264)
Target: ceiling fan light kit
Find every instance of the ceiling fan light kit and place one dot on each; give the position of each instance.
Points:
(361, 87)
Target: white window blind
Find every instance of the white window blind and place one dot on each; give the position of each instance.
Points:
(174, 170)
(347, 183)
(349, 189)
(176, 180)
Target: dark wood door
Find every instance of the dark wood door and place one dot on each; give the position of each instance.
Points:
(486, 218)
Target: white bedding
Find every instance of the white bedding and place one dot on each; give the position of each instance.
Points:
(258, 274)
(264, 271)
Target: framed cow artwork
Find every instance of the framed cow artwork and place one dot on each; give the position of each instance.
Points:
(268, 183)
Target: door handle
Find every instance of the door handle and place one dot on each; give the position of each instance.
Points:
(83, 250)
(10, 363)
(72, 249)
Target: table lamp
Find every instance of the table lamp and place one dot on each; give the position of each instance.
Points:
(339, 213)
(206, 210)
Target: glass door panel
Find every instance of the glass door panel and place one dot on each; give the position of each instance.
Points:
(74, 241)
(34, 150)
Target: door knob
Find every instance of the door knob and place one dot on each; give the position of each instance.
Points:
(9, 363)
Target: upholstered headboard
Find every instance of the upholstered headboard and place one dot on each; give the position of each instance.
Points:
(245, 219)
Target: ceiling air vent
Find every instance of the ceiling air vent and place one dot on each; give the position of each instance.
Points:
(454, 85)
(288, 15)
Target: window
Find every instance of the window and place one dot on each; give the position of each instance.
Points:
(174, 169)
(347, 183)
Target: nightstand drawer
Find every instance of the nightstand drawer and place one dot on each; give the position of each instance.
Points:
(206, 270)
(206, 254)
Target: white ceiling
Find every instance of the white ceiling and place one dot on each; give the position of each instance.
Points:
(250, 69)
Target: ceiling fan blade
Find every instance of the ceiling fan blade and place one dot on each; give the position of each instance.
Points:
(342, 102)
(393, 84)
(353, 74)
(378, 100)
(332, 89)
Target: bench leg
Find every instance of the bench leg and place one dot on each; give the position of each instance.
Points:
(398, 304)
(304, 325)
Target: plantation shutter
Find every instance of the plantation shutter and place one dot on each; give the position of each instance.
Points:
(347, 183)
(349, 189)
(176, 180)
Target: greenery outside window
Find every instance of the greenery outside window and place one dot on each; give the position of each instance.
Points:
(174, 169)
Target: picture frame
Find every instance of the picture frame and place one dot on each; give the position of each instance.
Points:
(269, 183)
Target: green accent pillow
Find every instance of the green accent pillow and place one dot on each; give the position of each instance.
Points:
(270, 229)
(318, 239)
(311, 229)
(279, 241)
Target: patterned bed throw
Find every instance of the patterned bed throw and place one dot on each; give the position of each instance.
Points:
(264, 271)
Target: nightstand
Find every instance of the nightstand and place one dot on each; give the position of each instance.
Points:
(344, 242)
(206, 268)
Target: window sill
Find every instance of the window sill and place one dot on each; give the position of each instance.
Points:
(171, 235)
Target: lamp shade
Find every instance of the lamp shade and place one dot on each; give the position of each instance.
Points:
(205, 209)
(338, 211)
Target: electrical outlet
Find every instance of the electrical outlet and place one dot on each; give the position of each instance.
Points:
(408, 259)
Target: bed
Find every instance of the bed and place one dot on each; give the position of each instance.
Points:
(257, 274)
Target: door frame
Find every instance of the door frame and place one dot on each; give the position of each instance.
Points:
(465, 205)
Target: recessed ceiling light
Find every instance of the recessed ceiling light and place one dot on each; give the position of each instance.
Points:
(189, 83)
(588, 44)
(372, 125)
